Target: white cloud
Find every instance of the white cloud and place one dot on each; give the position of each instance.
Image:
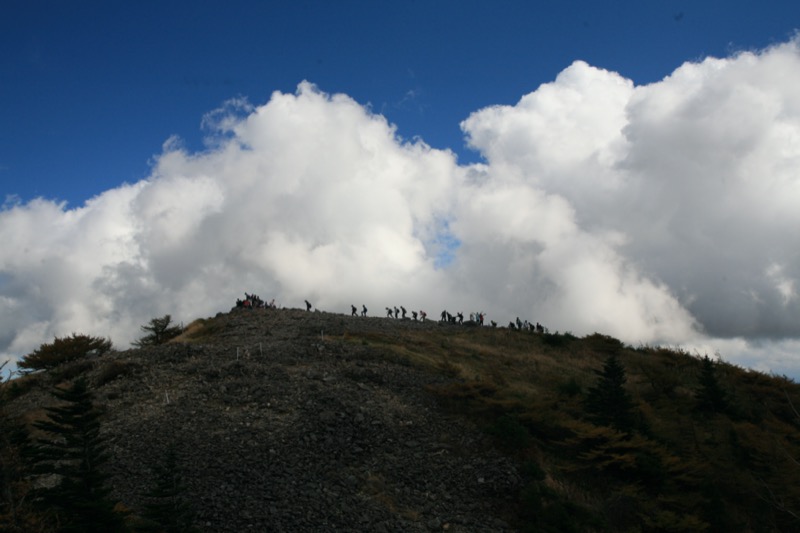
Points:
(696, 173)
(663, 213)
(308, 196)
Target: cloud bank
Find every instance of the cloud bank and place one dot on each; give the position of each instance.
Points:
(659, 214)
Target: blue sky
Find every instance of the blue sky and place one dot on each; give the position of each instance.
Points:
(89, 91)
(628, 168)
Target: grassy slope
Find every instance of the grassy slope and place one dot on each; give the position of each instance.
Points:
(685, 470)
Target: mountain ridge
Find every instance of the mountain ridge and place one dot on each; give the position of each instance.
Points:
(293, 420)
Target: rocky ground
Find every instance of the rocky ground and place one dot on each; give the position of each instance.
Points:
(283, 424)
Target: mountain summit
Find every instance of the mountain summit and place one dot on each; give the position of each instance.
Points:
(292, 420)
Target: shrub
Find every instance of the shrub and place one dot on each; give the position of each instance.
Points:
(510, 432)
(19, 386)
(570, 388)
(604, 344)
(557, 340)
(63, 350)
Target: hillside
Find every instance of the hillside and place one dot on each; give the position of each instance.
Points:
(286, 420)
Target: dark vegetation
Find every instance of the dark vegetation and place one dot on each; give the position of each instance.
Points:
(167, 509)
(616, 438)
(63, 350)
(159, 331)
(607, 437)
(71, 450)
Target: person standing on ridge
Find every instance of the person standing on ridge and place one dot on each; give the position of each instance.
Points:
(308, 306)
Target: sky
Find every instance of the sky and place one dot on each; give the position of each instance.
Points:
(629, 168)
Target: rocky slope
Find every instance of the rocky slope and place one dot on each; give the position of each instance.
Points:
(283, 423)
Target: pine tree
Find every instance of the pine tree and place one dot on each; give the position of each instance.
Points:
(75, 453)
(63, 350)
(608, 403)
(168, 510)
(158, 331)
(710, 396)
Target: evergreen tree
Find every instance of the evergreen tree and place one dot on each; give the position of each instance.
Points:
(62, 350)
(75, 453)
(168, 510)
(158, 331)
(608, 403)
(710, 396)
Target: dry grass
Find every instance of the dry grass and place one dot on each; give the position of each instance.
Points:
(196, 331)
(514, 382)
(517, 363)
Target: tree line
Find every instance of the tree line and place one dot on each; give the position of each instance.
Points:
(53, 475)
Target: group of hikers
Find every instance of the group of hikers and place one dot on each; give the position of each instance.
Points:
(402, 314)
(524, 325)
(251, 301)
(354, 310)
(475, 319)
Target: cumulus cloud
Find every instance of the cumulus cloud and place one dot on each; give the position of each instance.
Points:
(662, 213)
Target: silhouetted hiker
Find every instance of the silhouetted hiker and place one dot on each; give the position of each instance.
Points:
(396, 312)
(460, 316)
(422, 315)
(519, 323)
(444, 315)
(308, 306)
(363, 310)
(403, 309)
(414, 315)
(353, 310)
(389, 312)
